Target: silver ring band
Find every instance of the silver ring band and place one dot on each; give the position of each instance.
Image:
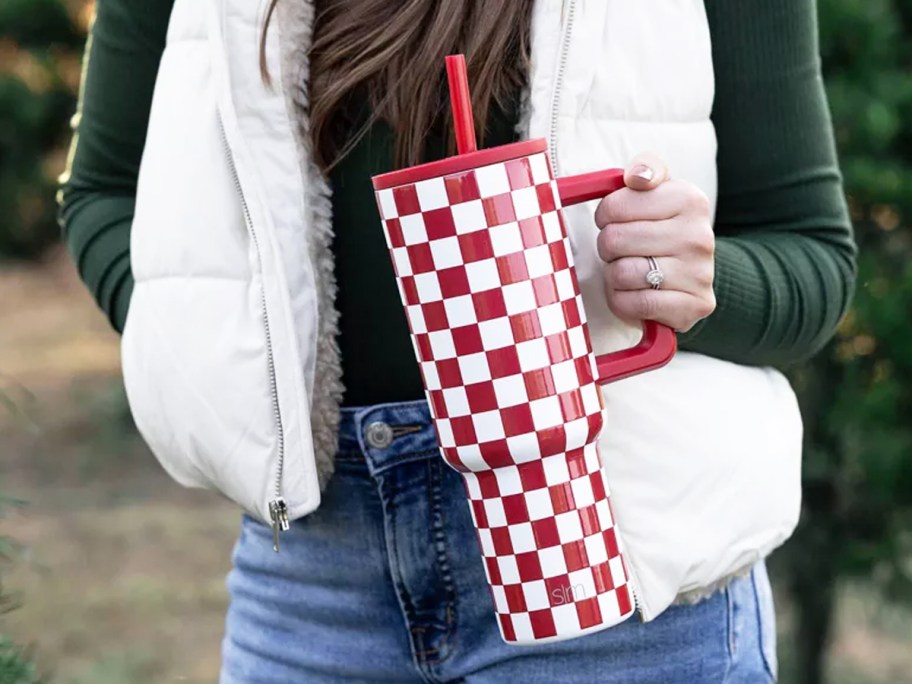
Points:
(654, 277)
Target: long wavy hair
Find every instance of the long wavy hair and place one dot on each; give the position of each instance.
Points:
(384, 59)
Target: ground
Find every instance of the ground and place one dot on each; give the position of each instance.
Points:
(121, 572)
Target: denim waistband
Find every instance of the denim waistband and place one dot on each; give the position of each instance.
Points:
(387, 435)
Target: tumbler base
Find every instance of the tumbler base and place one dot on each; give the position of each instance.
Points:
(549, 546)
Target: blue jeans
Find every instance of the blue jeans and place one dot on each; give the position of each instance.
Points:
(384, 583)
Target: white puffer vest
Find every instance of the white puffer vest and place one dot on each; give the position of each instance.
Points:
(229, 353)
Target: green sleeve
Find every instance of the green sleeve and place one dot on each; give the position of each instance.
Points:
(98, 192)
(785, 253)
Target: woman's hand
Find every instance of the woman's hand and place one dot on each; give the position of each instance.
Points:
(671, 221)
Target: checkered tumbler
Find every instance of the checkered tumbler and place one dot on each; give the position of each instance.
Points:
(549, 546)
(485, 272)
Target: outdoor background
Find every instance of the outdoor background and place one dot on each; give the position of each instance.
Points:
(113, 575)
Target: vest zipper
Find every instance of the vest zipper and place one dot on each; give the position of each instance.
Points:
(552, 153)
(559, 81)
(278, 509)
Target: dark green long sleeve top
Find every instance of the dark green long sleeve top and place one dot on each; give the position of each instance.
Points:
(785, 256)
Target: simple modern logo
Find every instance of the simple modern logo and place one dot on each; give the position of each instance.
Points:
(567, 594)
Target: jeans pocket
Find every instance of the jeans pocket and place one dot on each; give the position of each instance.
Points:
(766, 618)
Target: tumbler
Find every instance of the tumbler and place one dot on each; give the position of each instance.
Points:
(485, 272)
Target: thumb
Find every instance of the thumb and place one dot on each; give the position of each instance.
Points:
(645, 172)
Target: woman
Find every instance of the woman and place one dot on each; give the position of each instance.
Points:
(245, 264)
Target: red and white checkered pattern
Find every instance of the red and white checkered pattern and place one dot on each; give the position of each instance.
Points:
(485, 272)
(549, 546)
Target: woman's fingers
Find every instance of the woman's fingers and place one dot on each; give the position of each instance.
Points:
(672, 198)
(677, 310)
(681, 237)
(670, 221)
(645, 172)
(629, 273)
(641, 238)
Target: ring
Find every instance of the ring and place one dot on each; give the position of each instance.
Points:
(655, 277)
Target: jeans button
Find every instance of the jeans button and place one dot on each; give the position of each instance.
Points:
(379, 435)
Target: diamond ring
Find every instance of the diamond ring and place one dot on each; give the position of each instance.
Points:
(655, 277)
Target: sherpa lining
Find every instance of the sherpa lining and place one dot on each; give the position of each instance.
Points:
(294, 21)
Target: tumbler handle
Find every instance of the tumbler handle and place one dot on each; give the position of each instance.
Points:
(659, 342)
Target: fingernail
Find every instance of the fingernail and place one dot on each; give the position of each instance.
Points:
(643, 172)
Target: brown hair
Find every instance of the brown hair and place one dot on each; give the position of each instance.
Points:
(390, 55)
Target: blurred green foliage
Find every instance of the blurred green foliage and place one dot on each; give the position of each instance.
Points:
(39, 24)
(39, 42)
(40, 46)
(16, 666)
(856, 395)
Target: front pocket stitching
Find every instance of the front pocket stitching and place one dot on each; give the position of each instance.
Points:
(761, 637)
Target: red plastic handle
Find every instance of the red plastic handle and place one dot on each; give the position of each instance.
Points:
(589, 186)
(659, 342)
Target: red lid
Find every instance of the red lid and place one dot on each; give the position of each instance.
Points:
(461, 162)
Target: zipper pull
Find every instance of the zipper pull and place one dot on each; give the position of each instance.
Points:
(278, 514)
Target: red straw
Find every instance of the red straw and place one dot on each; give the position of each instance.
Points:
(461, 101)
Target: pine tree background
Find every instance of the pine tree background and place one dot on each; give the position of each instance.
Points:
(856, 396)
(40, 49)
